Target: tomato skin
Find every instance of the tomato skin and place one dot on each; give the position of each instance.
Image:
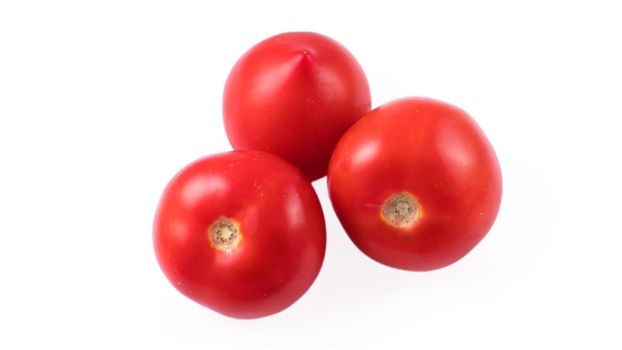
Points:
(431, 150)
(283, 235)
(294, 95)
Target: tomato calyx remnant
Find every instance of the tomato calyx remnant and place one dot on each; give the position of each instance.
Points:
(401, 210)
(224, 234)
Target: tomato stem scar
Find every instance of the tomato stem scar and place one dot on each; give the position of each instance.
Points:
(224, 234)
(401, 210)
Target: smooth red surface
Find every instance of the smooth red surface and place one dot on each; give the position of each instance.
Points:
(434, 151)
(294, 95)
(283, 233)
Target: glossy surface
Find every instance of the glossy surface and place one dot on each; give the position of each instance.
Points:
(294, 95)
(282, 234)
(431, 151)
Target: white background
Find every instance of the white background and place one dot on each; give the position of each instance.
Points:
(101, 102)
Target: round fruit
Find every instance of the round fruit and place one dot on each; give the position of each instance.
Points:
(415, 184)
(294, 95)
(241, 233)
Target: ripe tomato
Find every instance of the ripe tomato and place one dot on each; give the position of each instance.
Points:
(415, 184)
(241, 233)
(294, 95)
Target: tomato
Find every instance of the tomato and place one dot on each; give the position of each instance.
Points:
(415, 183)
(241, 233)
(294, 95)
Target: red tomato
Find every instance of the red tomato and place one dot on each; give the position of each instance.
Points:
(294, 95)
(415, 184)
(241, 233)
